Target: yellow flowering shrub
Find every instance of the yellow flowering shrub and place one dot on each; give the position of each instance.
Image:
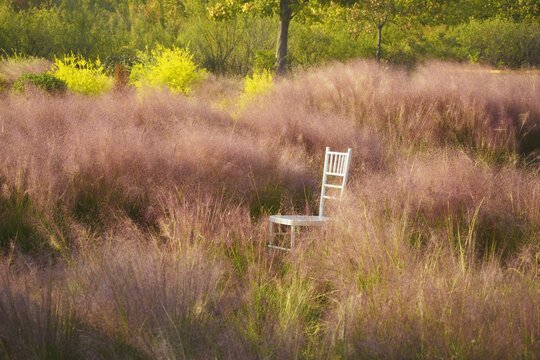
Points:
(82, 76)
(260, 83)
(173, 68)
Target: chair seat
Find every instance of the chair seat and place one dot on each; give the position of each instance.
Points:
(299, 220)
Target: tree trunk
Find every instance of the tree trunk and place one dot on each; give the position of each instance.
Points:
(379, 38)
(283, 36)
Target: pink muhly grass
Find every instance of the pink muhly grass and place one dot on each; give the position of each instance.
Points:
(395, 299)
(441, 191)
(36, 317)
(488, 114)
(164, 300)
(116, 150)
(158, 206)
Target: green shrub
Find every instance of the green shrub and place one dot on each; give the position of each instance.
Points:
(173, 68)
(263, 60)
(400, 53)
(44, 81)
(229, 47)
(501, 42)
(36, 31)
(496, 42)
(83, 76)
(317, 44)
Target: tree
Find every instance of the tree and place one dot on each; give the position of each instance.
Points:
(287, 10)
(381, 12)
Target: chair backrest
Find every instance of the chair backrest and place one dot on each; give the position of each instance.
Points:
(336, 165)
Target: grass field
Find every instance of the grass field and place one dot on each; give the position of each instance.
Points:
(135, 226)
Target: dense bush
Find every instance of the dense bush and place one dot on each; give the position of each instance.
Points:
(501, 43)
(313, 44)
(44, 81)
(82, 75)
(497, 42)
(228, 47)
(34, 32)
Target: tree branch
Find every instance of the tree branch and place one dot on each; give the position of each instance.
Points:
(301, 7)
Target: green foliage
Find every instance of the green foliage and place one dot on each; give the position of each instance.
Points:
(236, 37)
(44, 81)
(496, 42)
(82, 75)
(315, 44)
(262, 60)
(173, 68)
(226, 47)
(49, 31)
(500, 42)
(37, 32)
(229, 9)
(382, 11)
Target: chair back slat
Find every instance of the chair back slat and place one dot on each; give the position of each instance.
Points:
(336, 164)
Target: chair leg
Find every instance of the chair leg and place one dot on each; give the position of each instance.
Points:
(292, 236)
(270, 241)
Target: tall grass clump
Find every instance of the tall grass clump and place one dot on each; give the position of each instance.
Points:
(19, 221)
(82, 76)
(164, 301)
(36, 318)
(173, 68)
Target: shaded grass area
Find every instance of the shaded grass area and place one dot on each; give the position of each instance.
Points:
(135, 227)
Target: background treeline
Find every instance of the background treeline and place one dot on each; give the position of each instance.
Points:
(504, 33)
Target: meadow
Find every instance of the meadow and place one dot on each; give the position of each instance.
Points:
(134, 225)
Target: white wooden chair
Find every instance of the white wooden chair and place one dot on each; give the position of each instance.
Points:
(336, 166)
